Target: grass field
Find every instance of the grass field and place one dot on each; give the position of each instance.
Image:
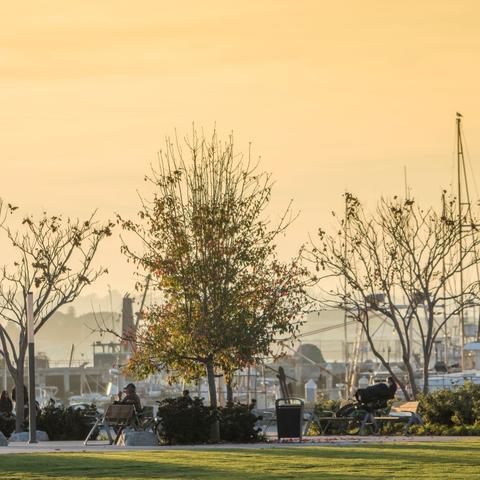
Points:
(449, 460)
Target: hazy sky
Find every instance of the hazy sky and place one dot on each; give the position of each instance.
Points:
(333, 95)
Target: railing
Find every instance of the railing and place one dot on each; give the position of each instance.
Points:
(66, 363)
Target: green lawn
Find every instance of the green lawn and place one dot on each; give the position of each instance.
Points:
(452, 460)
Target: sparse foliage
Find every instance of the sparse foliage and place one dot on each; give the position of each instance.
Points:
(52, 257)
(399, 263)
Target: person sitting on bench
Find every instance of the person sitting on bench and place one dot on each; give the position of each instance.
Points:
(130, 398)
(377, 393)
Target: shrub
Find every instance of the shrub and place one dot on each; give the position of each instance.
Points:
(70, 423)
(237, 423)
(444, 430)
(185, 420)
(51, 420)
(324, 408)
(459, 407)
(78, 422)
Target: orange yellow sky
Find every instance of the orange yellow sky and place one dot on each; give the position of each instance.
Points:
(334, 96)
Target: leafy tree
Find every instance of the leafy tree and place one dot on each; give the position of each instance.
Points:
(399, 263)
(53, 258)
(210, 249)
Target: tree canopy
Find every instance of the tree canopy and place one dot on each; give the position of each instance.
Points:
(210, 248)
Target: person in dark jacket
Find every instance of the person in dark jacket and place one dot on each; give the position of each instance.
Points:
(6, 405)
(130, 397)
(377, 392)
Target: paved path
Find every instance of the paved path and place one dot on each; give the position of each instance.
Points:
(77, 446)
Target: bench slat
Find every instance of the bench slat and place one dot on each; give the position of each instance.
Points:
(411, 407)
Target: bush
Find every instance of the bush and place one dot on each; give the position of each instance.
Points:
(70, 423)
(444, 430)
(325, 408)
(237, 423)
(7, 424)
(459, 407)
(185, 420)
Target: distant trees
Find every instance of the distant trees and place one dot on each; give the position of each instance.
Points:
(53, 258)
(211, 251)
(398, 254)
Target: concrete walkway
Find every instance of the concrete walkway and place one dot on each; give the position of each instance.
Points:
(78, 446)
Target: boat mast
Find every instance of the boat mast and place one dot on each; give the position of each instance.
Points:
(466, 224)
(444, 288)
(348, 376)
(464, 215)
(460, 167)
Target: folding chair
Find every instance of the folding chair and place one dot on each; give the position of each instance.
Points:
(145, 418)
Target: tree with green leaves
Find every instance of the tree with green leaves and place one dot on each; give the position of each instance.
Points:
(53, 258)
(210, 249)
(399, 263)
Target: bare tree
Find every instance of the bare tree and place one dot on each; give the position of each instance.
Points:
(53, 258)
(400, 254)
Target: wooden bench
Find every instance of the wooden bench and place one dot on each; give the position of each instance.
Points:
(406, 412)
(324, 423)
(117, 417)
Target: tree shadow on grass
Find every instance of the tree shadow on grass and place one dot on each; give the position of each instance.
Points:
(106, 466)
(326, 462)
(464, 454)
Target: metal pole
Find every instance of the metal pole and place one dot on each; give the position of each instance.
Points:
(444, 214)
(348, 373)
(460, 235)
(32, 411)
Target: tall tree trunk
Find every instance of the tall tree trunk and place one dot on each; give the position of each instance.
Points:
(426, 362)
(411, 377)
(386, 364)
(215, 431)
(228, 383)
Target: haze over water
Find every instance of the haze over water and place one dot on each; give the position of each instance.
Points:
(332, 96)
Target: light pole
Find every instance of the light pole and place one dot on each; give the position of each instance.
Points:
(32, 411)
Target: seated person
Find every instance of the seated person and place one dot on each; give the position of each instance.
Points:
(130, 397)
(377, 392)
(6, 405)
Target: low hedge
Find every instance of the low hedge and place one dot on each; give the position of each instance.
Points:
(71, 423)
(59, 422)
(452, 408)
(186, 420)
(237, 423)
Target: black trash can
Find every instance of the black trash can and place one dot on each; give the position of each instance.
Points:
(289, 417)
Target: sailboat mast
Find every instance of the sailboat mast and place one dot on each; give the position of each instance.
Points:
(444, 215)
(460, 167)
(348, 385)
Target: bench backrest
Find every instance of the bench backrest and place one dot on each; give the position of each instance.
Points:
(411, 407)
(119, 413)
